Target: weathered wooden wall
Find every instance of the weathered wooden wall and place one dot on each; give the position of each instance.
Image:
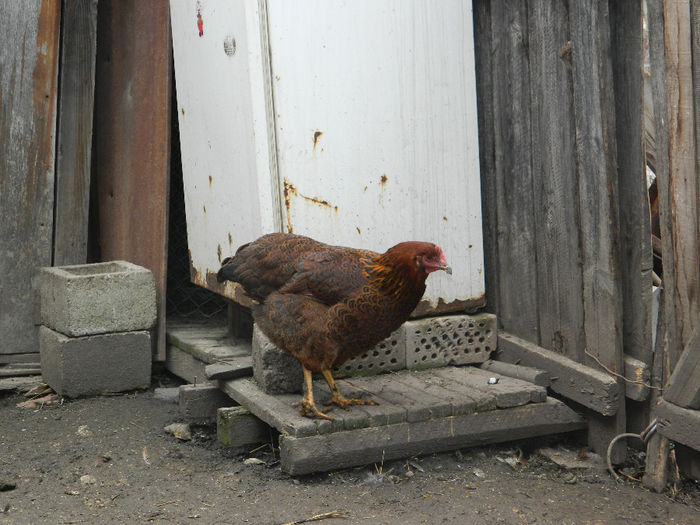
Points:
(675, 85)
(568, 258)
(29, 44)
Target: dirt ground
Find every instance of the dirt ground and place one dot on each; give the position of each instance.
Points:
(108, 460)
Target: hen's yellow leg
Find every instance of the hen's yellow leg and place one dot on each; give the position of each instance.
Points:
(307, 402)
(338, 398)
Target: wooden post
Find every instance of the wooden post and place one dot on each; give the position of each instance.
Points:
(485, 105)
(75, 105)
(512, 165)
(553, 135)
(677, 180)
(596, 156)
(635, 235)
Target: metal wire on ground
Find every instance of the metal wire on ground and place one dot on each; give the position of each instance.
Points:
(644, 435)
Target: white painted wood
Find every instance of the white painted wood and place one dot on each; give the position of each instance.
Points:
(390, 85)
(390, 88)
(222, 112)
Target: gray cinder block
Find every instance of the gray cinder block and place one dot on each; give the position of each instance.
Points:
(199, 403)
(449, 340)
(89, 299)
(79, 366)
(275, 371)
(237, 427)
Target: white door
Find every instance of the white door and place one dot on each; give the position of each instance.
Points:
(353, 122)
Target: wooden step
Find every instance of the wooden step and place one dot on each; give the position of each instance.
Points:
(197, 352)
(416, 412)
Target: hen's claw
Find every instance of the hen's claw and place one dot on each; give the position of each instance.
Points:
(310, 408)
(345, 402)
(307, 402)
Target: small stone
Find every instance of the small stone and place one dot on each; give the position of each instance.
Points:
(83, 431)
(479, 473)
(87, 479)
(253, 461)
(570, 478)
(180, 430)
(410, 474)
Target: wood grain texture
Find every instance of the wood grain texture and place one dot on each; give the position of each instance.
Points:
(587, 386)
(513, 202)
(556, 186)
(679, 195)
(596, 150)
(375, 444)
(684, 385)
(671, 85)
(132, 128)
(635, 235)
(74, 148)
(695, 50)
(679, 424)
(486, 105)
(28, 87)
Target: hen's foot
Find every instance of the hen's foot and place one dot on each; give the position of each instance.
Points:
(308, 407)
(345, 402)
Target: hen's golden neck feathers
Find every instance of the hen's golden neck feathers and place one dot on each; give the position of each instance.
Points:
(403, 268)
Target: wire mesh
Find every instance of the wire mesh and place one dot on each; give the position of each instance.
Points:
(184, 299)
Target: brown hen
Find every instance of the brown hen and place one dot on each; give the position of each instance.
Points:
(325, 304)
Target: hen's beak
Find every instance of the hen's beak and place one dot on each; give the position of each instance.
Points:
(443, 266)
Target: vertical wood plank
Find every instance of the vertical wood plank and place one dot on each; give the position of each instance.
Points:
(74, 147)
(555, 187)
(515, 229)
(485, 109)
(657, 447)
(594, 109)
(132, 129)
(635, 235)
(681, 243)
(636, 262)
(695, 50)
(28, 82)
(676, 164)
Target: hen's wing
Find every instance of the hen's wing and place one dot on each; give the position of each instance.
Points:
(294, 264)
(330, 275)
(267, 263)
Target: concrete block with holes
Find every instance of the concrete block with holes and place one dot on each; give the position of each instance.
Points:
(417, 344)
(277, 372)
(449, 340)
(387, 356)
